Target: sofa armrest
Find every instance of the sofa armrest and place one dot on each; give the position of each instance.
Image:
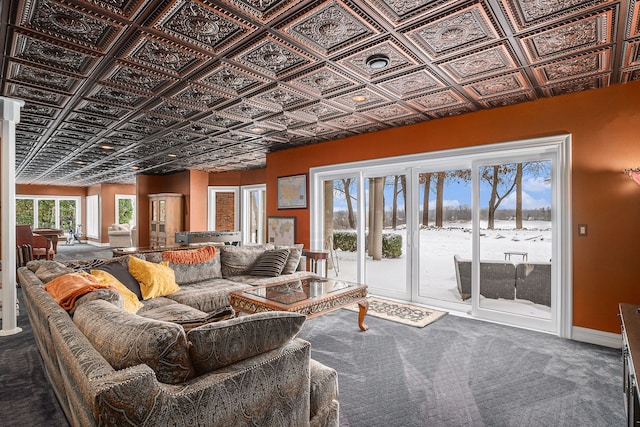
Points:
(245, 389)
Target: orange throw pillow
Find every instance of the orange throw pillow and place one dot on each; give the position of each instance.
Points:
(67, 288)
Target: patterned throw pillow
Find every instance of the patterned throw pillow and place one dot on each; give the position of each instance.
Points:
(220, 344)
(295, 252)
(49, 270)
(270, 263)
(238, 260)
(156, 280)
(131, 301)
(125, 339)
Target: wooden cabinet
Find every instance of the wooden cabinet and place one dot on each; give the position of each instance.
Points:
(167, 216)
(630, 316)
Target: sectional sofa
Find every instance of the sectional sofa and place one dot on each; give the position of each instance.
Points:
(181, 359)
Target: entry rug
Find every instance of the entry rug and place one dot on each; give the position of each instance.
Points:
(407, 314)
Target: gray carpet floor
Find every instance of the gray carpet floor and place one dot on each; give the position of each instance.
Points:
(454, 372)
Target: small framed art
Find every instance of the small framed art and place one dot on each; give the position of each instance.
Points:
(281, 230)
(292, 192)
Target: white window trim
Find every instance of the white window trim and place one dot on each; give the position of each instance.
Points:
(93, 204)
(246, 191)
(57, 200)
(562, 204)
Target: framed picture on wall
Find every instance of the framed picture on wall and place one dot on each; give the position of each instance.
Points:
(281, 230)
(292, 192)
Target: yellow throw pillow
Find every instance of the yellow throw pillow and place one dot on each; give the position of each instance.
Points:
(131, 301)
(156, 280)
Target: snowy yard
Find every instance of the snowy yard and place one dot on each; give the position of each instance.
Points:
(436, 266)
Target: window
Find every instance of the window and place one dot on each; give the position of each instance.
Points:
(48, 211)
(253, 214)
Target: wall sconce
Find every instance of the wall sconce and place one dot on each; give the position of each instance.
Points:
(634, 174)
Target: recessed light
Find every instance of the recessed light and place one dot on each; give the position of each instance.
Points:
(257, 129)
(135, 168)
(172, 155)
(359, 98)
(378, 61)
(107, 147)
(80, 162)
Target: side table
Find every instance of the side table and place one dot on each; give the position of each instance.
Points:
(314, 258)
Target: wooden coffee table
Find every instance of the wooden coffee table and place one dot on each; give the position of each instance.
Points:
(311, 296)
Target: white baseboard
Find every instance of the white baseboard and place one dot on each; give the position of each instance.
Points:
(592, 336)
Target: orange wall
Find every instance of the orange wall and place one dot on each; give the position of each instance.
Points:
(107, 194)
(604, 127)
(248, 177)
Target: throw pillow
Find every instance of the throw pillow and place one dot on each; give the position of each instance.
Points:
(193, 256)
(68, 288)
(216, 345)
(49, 270)
(187, 317)
(270, 263)
(156, 280)
(122, 274)
(295, 252)
(125, 339)
(238, 260)
(131, 301)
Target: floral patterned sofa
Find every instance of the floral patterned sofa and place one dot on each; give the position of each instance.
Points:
(167, 365)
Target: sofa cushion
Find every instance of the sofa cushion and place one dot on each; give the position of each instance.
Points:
(131, 302)
(187, 317)
(156, 280)
(324, 386)
(125, 339)
(207, 296)
(262, 280)
(220, 344)
(295, 252)
(67, 288)
(270, 263)
(49, 270)
(238, 260)
(121, 273)
(192, 266)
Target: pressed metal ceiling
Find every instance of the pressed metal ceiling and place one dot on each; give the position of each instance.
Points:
(114, 88)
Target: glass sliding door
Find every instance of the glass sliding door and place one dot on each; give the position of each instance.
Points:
(444, 236)
(515, 241)
(254, 214)
(340, 226)
(386, 235)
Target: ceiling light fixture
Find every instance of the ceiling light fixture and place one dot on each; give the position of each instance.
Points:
(359, 98)
(257, 129)
(378, 61)
(172, 155)
(107, 147)
(135, 168)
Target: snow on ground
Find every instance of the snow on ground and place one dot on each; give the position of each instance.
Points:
(437, 272)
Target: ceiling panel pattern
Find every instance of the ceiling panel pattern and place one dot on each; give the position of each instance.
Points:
(114, 88)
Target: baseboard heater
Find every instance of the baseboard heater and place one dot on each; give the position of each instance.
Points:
(226, 237)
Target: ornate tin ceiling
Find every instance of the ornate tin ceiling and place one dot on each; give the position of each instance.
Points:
(119, 87)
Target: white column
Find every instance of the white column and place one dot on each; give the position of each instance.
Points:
(9, 116)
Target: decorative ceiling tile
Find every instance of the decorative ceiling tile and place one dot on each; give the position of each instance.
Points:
(89, 119)
(389, 112)
(577, 85)
(82, 128)
(360, 98)
(230, 79)
(322, 81)
(73, 136)
(282, 96)
(146, 119)
(454, 32)
(163, 55)
(124, 8)
(496, 59)
(220, 122)
(41, 77)
(329, 27)
(110, 111)
(263, 10)
(199, 95)
(437, 100)
(406, 121)
(200, 128)
(525, 14)
(500, 85)
(287, 120)
(201, 23)
(272, 57)
(39, 110)
(350, 121)
(244, 110)
(41, 52)
(34, 120)
(412, 84)
(587, 33)
(377, 60)
(455, 110)
(39, 95)
(127, 136)
(174, 109)
(27, 128)
(70, 24)
(319, 111)
(630, 75)
(401, 10)
(631, 54)
(116, 96)
(576, 67)
(136, 78)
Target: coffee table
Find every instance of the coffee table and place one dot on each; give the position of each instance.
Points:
(311, 296)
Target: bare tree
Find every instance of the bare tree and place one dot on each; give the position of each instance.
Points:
(519, 196)
(344, 186)
(425, 178)
(440, 197)
(501, 178)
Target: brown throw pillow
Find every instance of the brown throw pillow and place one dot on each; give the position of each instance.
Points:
(270, 263)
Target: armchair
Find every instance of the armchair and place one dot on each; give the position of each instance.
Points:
(41, 247)
(119, 236)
